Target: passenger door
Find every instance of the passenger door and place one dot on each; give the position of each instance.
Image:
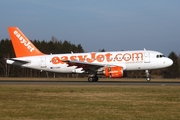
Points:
(146, 57)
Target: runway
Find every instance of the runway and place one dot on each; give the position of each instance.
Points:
(120, 83)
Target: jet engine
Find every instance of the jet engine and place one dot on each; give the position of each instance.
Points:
(113, 71)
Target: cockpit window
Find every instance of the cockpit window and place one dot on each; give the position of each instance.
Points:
(160, 56)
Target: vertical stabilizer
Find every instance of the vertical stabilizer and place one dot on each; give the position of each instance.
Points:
(21, 44)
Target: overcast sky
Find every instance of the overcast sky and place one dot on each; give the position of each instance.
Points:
(96, 24)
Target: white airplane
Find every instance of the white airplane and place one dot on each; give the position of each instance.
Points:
(111, 64)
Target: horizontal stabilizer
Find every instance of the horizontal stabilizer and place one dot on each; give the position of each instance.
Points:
(19, 60)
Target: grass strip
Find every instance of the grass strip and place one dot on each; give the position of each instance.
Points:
(88, 102)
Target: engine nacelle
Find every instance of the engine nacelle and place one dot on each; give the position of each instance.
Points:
(113, 71)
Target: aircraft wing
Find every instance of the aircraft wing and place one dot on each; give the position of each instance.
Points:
(85, 65)
(90, 66)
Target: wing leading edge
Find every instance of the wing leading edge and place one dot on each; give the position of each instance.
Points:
(85, 65)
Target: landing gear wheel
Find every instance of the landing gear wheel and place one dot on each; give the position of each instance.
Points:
(90, 79)
(93, 79)
(96, 79)
(148, 79)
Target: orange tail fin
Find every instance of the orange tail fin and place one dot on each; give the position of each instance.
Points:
(21, 44)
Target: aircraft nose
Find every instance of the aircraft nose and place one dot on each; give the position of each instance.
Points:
(169, 62)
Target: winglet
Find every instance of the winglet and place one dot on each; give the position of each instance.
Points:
(21, 44)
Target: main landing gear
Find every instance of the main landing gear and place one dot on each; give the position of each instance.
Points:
(93, 78)
(148, 78)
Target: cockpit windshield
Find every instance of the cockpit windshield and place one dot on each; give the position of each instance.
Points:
(160, 56)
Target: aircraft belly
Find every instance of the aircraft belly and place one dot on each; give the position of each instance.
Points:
(138, 66)
(158, 64)
(61, 69)
(131, 66)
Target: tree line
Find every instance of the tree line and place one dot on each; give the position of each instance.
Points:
(58, 46)
(48, 47)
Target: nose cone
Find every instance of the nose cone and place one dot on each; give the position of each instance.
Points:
(169, 62)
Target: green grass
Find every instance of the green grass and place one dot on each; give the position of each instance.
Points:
(89, 102)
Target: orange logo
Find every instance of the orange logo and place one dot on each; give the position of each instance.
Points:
(23, 41)
(94, 57)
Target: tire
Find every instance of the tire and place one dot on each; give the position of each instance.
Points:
(93, 79)
(96, 79)
(148, 79)
(90, 79)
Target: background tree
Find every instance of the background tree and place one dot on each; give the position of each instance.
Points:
(54, 46)
(179, 62)
(57, 46)
(173, 70)
(102, 50)
(6, 51)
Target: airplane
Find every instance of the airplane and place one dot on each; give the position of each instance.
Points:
(113, 64)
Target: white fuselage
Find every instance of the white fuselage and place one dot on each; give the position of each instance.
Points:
(129, 60)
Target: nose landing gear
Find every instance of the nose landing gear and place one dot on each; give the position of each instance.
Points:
(148, 78)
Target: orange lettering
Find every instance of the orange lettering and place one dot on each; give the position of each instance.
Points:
(136, 55)
(127, 57)
(81, 58)
(108, 57)
(56, 60)
(120, 57)
(100, 58)
(73, 57)
(64, 58)
(92, 58)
